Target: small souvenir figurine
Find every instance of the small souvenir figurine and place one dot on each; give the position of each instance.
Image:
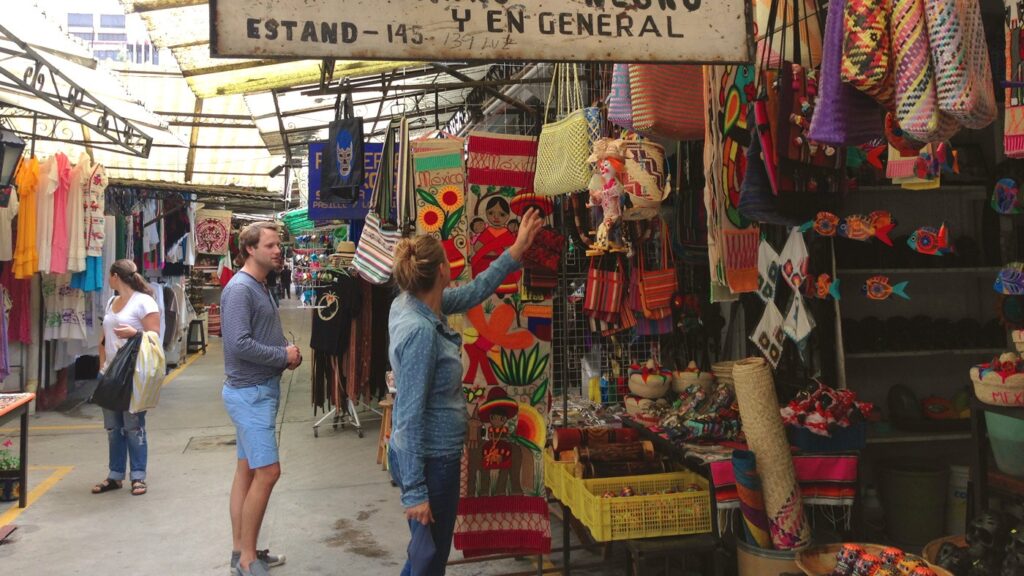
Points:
(606, 191)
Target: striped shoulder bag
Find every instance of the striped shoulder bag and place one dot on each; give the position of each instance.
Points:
(375, 253)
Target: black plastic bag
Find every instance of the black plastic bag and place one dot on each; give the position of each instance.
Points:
(341, 174)
(114, 391)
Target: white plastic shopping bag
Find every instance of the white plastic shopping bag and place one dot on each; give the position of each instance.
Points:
(150, 369)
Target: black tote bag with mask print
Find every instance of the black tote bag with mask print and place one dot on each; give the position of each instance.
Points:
(341, 174)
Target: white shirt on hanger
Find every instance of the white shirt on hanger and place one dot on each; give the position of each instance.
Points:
(80, 175)
(7, 214)
(48, 181)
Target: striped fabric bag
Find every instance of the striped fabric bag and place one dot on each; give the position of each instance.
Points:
(963, 75)
(375, 253)
(605, 289)
(867, 50)
(656, 287)
(620, 105)
(668, 100)
(917, 102)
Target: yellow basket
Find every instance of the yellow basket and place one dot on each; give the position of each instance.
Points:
(624, 518)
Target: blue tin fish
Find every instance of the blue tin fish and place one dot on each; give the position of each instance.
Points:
(1010, 281)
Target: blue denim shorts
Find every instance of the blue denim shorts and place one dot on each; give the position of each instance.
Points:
(253, 410)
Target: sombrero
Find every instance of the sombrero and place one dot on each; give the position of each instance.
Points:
(526, 200)
(498, 402)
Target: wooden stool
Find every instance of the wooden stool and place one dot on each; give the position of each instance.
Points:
(198, 343)
(385, 432)
(669, 549)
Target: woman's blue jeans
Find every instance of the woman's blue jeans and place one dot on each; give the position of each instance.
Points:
(126, 437)
(443, 491)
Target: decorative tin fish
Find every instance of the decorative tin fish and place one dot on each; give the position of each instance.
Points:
(878, 288)
(821, 287)
(1006, 197)
(928, 240)
(878, 224)
(1010, 280)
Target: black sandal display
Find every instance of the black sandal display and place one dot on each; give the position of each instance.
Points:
(106, 486)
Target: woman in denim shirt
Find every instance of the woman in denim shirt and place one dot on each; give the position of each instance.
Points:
(430, 418)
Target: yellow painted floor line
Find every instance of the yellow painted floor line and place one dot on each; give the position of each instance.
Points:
(59, 427)
(177, 371)
(59, 472)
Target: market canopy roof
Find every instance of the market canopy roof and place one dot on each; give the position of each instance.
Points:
(184, 27)
(45, 74)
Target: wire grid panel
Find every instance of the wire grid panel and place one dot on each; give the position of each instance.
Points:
(580, 354)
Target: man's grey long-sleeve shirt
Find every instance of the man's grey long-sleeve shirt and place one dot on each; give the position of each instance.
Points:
(255, 349)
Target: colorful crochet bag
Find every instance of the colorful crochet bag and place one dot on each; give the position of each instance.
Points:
(564, 145)
(843, 115)
(963, 75)
(867, 50)
(668, 100)
(620, 105)
(917, 103)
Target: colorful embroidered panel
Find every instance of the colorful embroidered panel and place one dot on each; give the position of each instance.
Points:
(440, 180)
(507, 350)
(213, 231)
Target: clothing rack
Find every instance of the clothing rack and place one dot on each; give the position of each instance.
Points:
(351, 416)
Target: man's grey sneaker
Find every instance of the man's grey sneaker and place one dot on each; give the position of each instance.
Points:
(257, 568)
(269, 558)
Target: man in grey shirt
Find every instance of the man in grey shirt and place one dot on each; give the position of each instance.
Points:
(255, 355)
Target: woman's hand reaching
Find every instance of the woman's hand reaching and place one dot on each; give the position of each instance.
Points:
(528, 229)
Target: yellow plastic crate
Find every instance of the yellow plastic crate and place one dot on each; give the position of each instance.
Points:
(557, 476)
(624, 518)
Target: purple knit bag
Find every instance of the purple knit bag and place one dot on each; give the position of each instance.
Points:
(843, 115)
(620, 103)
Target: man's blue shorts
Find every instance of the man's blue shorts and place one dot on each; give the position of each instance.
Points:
(253, 410)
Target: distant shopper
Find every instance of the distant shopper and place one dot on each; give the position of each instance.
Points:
(430, 418)
(286, 282)
(255, 355)
(131, 311)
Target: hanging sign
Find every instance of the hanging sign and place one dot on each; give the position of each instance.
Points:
(321, 210)
(693, 31)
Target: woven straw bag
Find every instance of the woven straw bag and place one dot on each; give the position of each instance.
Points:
(963, 75)
(564, 145)
(917, 103)
(644, 180)
(620, 104)
(867, 50)
(668, 100)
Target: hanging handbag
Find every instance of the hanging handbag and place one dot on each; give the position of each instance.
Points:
(546, 251)
(644, 180)
(963, 75)
(341, 175)
(645, 326)
(605, 288)
(565, 145)
(375, 252)
(867, 50)
(657, 287)
(620, 107)
(917, 103)
(843, 115)
(668, 100)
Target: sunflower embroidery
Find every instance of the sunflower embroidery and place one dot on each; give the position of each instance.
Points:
(431, 219)
(450, 198)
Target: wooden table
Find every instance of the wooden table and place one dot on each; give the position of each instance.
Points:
(12, 406)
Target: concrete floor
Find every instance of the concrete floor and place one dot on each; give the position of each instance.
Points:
(333, 512)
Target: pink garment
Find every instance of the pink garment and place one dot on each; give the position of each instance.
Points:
(59, 253)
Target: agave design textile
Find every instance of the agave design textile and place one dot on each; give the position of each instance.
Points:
(506, 380)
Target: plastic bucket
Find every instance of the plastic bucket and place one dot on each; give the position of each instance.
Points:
(914, 497)
(754, 561)
(1007, 437)
(956, 500)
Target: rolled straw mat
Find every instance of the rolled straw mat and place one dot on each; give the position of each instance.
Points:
(759, 410)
